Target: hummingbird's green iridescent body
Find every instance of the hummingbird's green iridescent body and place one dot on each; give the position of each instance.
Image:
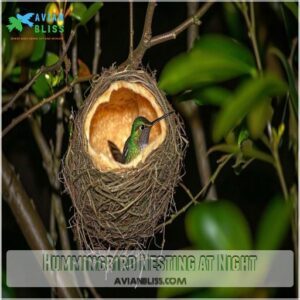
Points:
(137, 141)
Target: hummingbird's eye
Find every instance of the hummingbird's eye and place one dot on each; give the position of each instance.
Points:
(142, 127)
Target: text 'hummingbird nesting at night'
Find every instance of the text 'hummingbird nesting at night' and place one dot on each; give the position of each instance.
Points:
(137, 141)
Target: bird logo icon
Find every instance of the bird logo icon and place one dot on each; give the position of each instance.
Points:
(16, 22)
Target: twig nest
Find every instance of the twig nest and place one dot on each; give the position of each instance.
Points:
(120, 206)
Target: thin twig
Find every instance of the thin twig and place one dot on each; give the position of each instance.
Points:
(172, 34)
(51, 164)
(192, 31)
(52, 225)
(202, 193)
(190, 111)
(139, 52)
(278, 167)
(294, 219)
(147, 41)
(41, 142)
(97, 47)
(189, 193)
(41, 71)
(61, 221)
(293, 48)
(68, 88)
(77, 87)
(144, 43)
(147, 31)
(59, 125)
(131, 30)
(250, 22)
(57, 204)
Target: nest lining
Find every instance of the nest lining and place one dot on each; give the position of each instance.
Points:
(117, 206)
(111, 118)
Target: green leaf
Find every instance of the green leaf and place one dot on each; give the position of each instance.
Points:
(233, 19)
(218, 226)
(224, 292)
(273, 225)
(171, 292)
(290, 76)
(249, 94)
(212, 95)
(293, 7)
(7, 292)
(41, 87)
(23, 48)
(39, 47)
(78, 10)
(15, 74)
(243, 136)
(6, 45)
(53, 80)
(91, 12)
(259, 117)
(51, 59)
(16, 71)
(227, 47)
(214, 58)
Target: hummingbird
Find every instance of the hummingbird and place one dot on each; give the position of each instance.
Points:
(137, 141)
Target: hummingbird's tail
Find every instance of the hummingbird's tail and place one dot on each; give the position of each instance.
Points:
(116, 153)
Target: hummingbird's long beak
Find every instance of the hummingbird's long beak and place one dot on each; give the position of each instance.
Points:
(162, 117)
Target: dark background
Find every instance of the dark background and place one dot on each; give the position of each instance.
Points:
(249, 191)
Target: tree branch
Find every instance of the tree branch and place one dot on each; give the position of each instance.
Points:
(77, 87)
(250, 22)
(131, 31)
(143, 45)
(56, 199)
(147, 41)
(28, 219)
(59, 125)
(68, 88)
(61, 221)
(172, 34)
(192, 32)
(51, 164)
(190, 111)
(97, 47)
(201, 195)
(42, 144)
(41, 71)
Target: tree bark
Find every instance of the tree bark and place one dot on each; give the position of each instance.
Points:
(27, 217)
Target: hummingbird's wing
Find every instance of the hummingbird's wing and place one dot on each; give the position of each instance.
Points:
(125, 150)
(116, 153)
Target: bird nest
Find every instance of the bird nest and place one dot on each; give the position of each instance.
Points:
(120, 206)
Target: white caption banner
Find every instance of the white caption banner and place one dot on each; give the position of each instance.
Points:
(180, 268)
